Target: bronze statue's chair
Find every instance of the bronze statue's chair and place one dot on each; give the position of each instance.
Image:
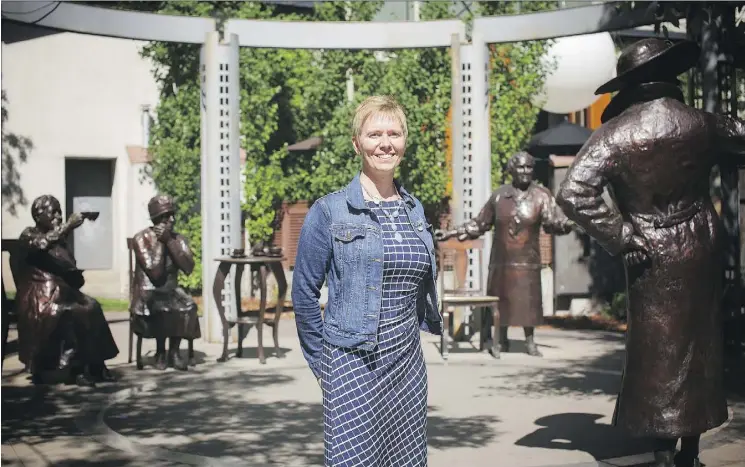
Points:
(9, 311)
(138, 355)
(465, 296)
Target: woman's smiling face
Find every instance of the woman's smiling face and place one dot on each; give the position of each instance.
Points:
(381, 144)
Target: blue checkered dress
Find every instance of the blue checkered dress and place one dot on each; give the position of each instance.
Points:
(375, 402)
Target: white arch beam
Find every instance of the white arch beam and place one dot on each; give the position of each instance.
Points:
(559, 23)
(68, 16)
(83, 19)
(344, 35)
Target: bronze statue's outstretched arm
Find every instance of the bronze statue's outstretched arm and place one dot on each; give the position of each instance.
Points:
(553, 219)
(474, 228)
(32, 239)
(181, 253)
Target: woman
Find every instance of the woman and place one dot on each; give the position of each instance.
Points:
(371, 243)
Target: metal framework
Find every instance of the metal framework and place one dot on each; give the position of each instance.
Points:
(717, 80)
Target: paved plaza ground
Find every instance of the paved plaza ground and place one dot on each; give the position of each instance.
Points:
(518, 411)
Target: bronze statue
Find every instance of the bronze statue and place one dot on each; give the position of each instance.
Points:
(655, 154)
(516, 211)
(58, 325)
(160, 308)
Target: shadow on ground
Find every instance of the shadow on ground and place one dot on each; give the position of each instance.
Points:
(197, 413)
(598, 375)
(459, 432)
(581, 432)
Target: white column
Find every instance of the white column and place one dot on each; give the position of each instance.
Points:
(462, 140)
(221, 187)
(481, 150)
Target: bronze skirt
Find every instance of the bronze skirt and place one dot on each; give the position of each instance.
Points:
(518, 287)
(173, 313)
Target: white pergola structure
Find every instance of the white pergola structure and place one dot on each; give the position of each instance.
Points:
(220, 184)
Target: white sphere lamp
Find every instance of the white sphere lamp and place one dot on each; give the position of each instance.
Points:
(580, 64)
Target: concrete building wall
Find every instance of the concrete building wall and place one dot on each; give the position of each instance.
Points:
(79, 96)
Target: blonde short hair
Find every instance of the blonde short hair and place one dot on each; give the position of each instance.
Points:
(385, 105)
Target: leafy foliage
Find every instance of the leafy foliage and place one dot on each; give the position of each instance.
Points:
(291, 95)
(16, 149)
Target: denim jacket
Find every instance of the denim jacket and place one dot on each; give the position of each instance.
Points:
(341, 243)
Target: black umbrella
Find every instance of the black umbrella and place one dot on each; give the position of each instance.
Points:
(564, 139)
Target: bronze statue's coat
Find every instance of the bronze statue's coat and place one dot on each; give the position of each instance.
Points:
(655, 157)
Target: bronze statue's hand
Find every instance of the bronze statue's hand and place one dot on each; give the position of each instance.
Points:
(165, 236)
(442, 235)
(51, 238)
(637, 251)
(76, 220)
(159, 229)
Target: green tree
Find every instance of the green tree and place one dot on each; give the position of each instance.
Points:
(16, 149)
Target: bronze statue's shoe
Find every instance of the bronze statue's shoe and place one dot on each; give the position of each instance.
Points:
(106, 375)
(687, 462)
(664, 459)
(36, 378)
(533, 351)
(84, 380)
(161, 361)
(177, 363)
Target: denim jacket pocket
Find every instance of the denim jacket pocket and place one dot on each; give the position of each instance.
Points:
(349, 241)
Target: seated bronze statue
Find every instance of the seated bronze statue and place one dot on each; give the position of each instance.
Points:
(58, 325)
(160, 308)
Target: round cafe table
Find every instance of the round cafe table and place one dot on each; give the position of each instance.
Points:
(263, 265)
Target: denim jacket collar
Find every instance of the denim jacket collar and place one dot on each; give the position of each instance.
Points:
(356, 199)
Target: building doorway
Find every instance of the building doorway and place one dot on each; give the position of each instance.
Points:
(88, 187)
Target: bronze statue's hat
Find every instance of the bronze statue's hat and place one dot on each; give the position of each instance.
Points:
(159, 205)
(650, 60)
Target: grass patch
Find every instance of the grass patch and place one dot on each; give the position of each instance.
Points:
(592, 322)
(113, 304)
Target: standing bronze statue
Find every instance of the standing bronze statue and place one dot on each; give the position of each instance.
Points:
(655, 155)
(516, 212)
(58, 325)
(160, 308)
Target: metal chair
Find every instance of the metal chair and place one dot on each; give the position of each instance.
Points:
(464, 296)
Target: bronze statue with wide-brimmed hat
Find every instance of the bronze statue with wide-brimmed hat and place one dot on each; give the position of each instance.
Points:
(160, 308)
(655, 154)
